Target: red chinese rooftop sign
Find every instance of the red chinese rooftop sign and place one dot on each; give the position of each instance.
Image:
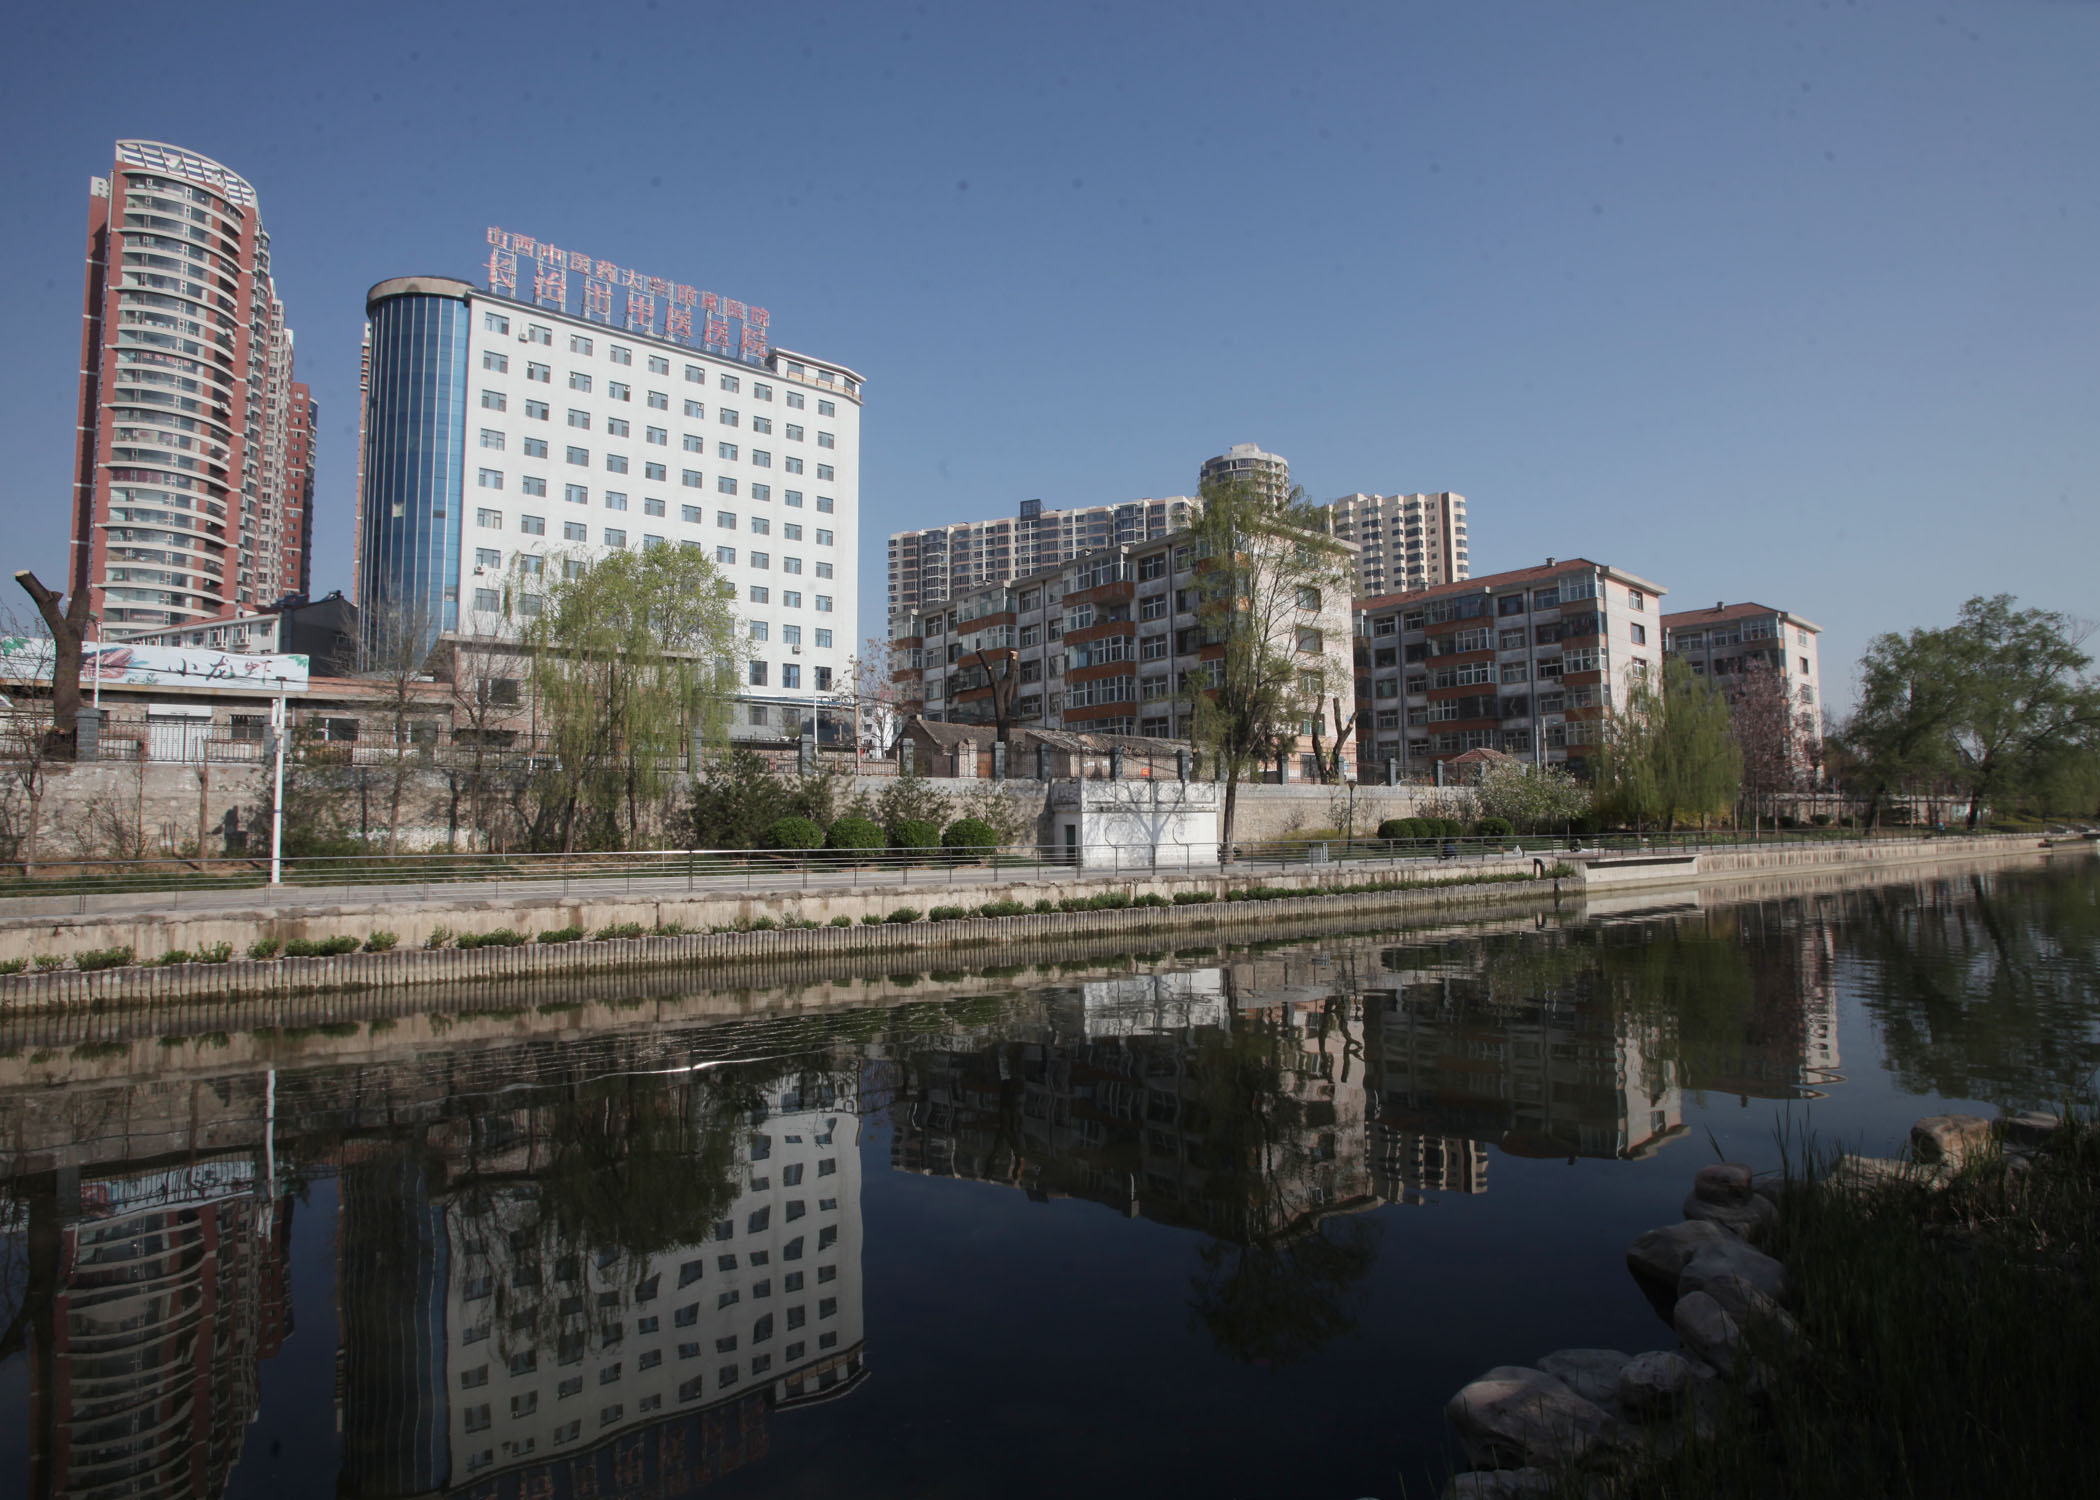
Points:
(620, 298)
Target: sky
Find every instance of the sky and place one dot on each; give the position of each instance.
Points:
(1797, 303)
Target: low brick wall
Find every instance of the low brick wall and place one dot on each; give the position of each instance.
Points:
(414, 965)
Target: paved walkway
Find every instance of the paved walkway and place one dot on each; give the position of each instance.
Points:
(755, 879)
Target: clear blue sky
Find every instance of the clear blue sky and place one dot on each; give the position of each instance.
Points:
(1794, 302)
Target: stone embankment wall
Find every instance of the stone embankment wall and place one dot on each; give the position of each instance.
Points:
(108, 809)
(1483, 882)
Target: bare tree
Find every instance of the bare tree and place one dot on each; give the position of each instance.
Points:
(395, 655)
(1327, 764)
(68, 629)
(482, 678)
(870, 691)
(25, 744)
(1767, 730)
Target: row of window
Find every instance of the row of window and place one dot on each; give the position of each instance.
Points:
(490, 519)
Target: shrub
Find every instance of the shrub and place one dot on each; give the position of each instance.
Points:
(915, 833)
(1003, 909)
(1150, 898)
(854, 834)
(382, 942)
(1821, 820)
(794, 833)
(842, 921)
(439, 936)
(871, 920)
(502, 937)
(1494, 828)
(670, 929)
(569, 934)
(103, 958)
(172, 957)
(1394, 828)
(319, 947)
(1045, 906)
(215, 953)
(13, 965)
(1194, 898)
(903, 914)
(947, 913)
(763, 924)
(968, 837)
(620, 930)
(266, 947)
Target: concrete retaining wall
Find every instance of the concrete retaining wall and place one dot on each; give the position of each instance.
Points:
(413, 965)
(1668, 867)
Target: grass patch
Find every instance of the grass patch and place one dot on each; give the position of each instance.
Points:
(264, 947)
(103, 958)
(561, 935)
(382, 942)
(13, 965)
(620, 930)
(1953, 1342)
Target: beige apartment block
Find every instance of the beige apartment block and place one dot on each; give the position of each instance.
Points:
(1270, 473)
(1108, 643)
(1729, 639)
(937, 563)
(1530, 663)
(1404, 542)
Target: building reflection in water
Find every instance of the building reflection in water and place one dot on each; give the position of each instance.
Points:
(605, 1286)
(602, 1266)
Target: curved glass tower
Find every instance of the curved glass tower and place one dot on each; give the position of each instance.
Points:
(414, 460)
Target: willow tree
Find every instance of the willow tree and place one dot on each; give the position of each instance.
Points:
(633, 658)
(1264, 567)
(1671, 752)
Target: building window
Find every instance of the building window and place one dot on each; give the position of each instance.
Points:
(656, 436)
(726, 556)
(494, 401)
(729, 383)
(615, 537)
(725, 485)
(761, 559)
(487, 558)
(824, 472)
(617, 391)
(495, 322)
(691, 479)
(533, 525)
(615, 500)
(760, 594)
(825, 504)
(578, 381)
(653, 471)
(758, 674)
(827, 408)
(544, 374)
(823, 604)
(575, 531)
(576, 494)
(490, 479)
(490, 518)
(792, 464)
(491, 360)
(538, 411)
(1640, 634)
(580, 456)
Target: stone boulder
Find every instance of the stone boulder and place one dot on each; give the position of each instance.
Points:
(1709, 1333)
(1592, 1374)
(1659, 1256)
(1860, 1174)
(1524, 1418)
(1500, 1484)
(1949, 1139)
(1722, 1182)
(1732, 1260)
(1751, 1217)
(1653, 1385)
(2029, 1128)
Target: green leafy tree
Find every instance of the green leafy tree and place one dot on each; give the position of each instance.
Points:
(1263, 567)
(2025, 702)
(1671, 753)
(633, 657)
(1900, 738)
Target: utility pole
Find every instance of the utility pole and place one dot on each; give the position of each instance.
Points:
(277, 726)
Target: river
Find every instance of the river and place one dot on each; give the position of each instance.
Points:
(1230, 1221)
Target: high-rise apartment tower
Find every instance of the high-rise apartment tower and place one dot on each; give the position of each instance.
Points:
(1404, 541)
(938, 563)
(193, 478)
(1268, 472)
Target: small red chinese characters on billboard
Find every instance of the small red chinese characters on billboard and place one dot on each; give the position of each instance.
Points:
(597, 300)
(678, 323)
(550, 285)
(503, 272)
(717, 333)
(641, 312)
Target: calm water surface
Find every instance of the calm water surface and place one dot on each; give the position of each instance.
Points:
(1222, 1222)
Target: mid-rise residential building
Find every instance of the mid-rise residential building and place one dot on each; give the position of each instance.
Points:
(1269, 473)
(510, 434)
(937, 563)
(1109, 643)
(1404, 542)
(193, 476)
(1529, 662)
(1729, 639)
